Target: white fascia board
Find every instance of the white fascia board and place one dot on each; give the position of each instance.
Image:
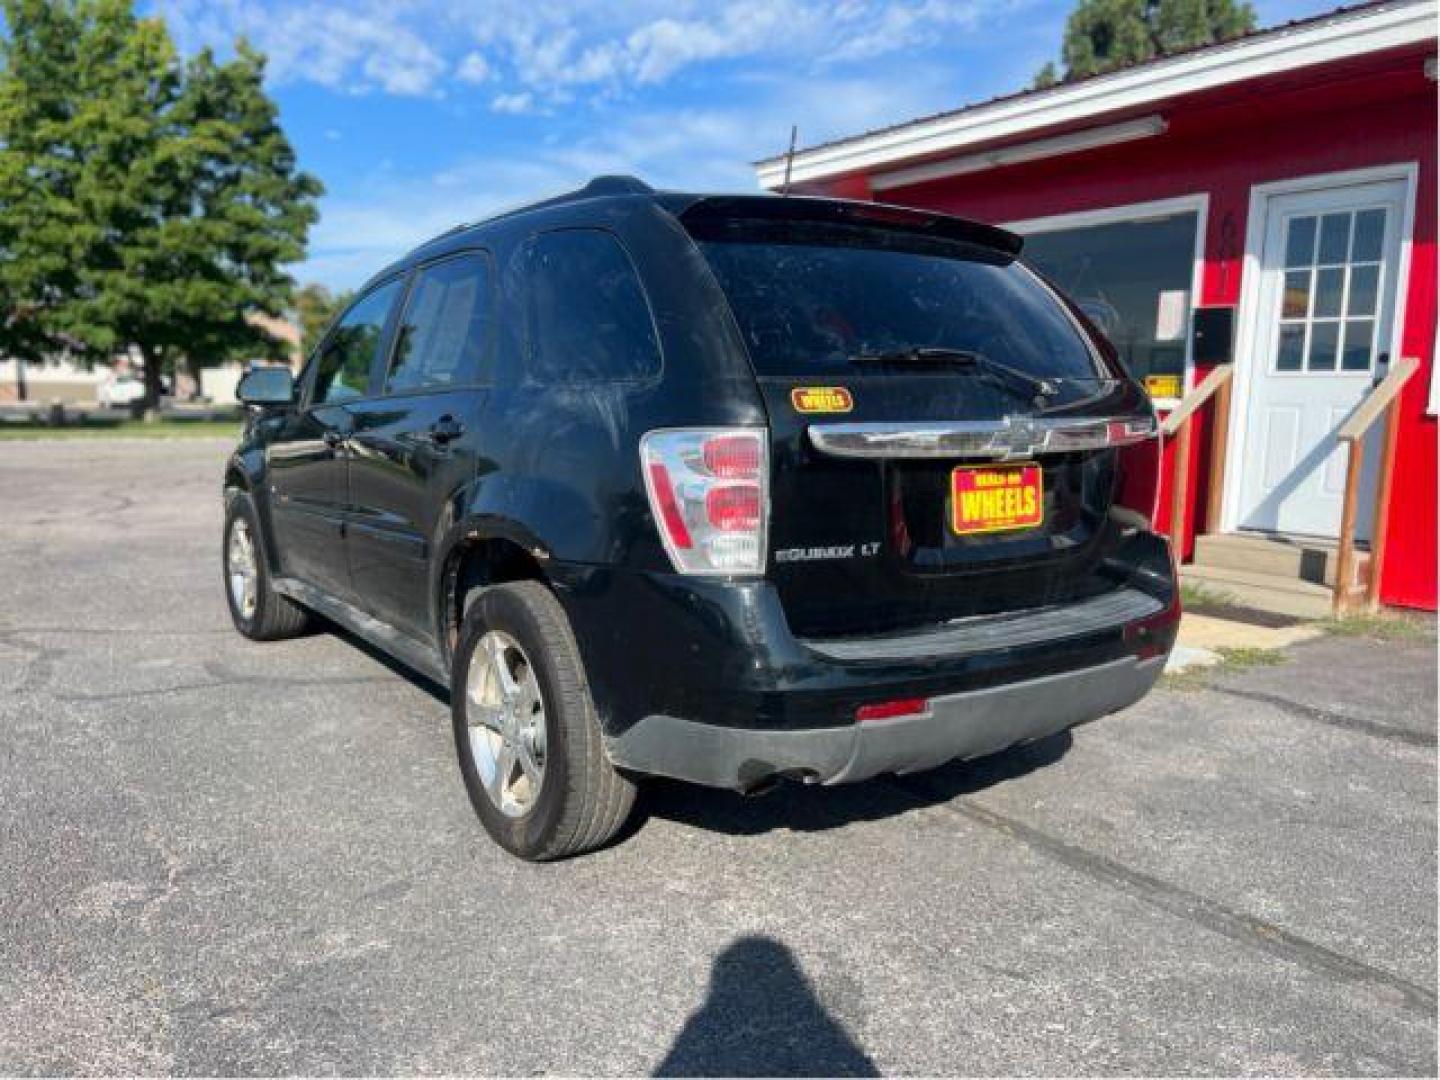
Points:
(1344, 37)
(1069, 143)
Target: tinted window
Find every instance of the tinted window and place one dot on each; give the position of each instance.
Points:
(1132, 278)
(589, 320)
(350, 350)
(446, 326)
(809, 299)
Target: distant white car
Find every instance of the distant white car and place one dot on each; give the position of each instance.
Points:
(121, 390)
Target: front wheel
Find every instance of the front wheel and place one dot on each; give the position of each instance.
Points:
(258, 611)
(526, 731)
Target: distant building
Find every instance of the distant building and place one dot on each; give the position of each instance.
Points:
(64, 379)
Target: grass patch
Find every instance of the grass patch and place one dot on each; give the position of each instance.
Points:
(1194, 596)
(1382, 626)
(1231, 661)
(125, 429)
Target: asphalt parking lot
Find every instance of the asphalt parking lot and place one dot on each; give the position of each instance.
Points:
(221, 857)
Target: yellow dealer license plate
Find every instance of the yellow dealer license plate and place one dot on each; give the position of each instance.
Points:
(995, 498)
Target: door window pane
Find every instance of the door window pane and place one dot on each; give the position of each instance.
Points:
(1334, 238)
(1300, 242)
(1296, 304)
(1292, 348)
(1128, 276)
(351, 349)
(1329, 285)
(1324, 340)
(1369, 235)
(1359, 345)
(446, 328)
(589, 319)
(1364, 287)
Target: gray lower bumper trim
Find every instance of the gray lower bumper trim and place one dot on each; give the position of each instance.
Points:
(964, 725)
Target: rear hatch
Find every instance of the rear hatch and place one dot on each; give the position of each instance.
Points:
(944, 432)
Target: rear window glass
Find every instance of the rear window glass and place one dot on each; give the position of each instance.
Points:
(589, 320)
(809, 300)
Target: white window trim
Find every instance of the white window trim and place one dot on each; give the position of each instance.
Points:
(1246, 312)
(1197, 203)
(1434, 406)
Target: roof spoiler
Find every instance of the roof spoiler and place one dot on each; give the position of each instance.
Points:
(851, 212)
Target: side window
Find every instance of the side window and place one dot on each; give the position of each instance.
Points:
(588, 317)
(446, 326)
(344, 372)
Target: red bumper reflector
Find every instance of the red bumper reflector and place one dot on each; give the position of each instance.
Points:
(887, 710)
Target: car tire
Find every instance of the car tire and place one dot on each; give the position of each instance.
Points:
(258, 611)
(549, 725)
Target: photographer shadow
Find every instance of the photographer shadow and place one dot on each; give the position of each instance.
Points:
(761, 1017)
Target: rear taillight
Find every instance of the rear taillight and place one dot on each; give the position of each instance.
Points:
(1137, 481)
(709, 493)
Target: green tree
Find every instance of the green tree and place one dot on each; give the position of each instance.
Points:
(180, 200)
(40, 236)
(1102, 35)
(317, 307)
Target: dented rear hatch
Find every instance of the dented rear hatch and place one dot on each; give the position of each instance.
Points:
(945, 434)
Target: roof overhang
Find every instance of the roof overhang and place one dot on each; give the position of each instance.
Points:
(1343, 36)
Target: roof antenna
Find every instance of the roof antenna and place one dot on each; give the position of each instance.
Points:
(789, 159)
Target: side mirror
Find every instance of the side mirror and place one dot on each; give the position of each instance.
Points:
(267, 387)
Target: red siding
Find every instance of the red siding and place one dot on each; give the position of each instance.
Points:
(1376, 111)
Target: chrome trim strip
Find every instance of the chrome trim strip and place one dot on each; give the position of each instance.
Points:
(1010, 439)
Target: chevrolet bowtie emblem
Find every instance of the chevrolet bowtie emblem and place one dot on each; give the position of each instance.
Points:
(1020, 437)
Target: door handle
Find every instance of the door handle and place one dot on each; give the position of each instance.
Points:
(446, 429)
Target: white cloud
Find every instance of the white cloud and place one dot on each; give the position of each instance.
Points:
(514, 104)
(551, 49)
(697, 149)
(473, 68)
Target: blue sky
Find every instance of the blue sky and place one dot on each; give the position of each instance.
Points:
(418, 115)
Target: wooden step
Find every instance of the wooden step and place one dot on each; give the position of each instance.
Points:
(1301, 559)
(1265, 592)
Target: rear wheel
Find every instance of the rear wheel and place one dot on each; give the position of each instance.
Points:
(526, 732)
(258, 611)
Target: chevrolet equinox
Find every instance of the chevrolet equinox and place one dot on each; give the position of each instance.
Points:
(729, 489)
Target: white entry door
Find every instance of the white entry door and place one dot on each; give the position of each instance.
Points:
(1326, 305)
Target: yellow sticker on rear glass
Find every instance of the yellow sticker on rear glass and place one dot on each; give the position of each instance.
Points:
(821, 399)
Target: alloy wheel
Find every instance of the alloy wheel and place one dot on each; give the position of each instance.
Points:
(506, 715)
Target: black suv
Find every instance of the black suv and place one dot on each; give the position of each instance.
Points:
(728, 489)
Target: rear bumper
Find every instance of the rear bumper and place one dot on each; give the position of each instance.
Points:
(953, 726)
(702, 679)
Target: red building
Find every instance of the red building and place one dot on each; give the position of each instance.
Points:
(1268, 203)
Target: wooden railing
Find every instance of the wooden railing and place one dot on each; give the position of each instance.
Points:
(1177, 426)
(1383, 400)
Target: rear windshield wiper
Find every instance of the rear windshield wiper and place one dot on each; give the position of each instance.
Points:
(919, 354)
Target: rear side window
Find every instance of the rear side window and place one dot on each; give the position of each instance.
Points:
(446, 328)
(809, 300)
(349, 355)
(588, 317)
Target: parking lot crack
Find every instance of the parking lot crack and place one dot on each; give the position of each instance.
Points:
(1423, 739)
(1238, 926)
